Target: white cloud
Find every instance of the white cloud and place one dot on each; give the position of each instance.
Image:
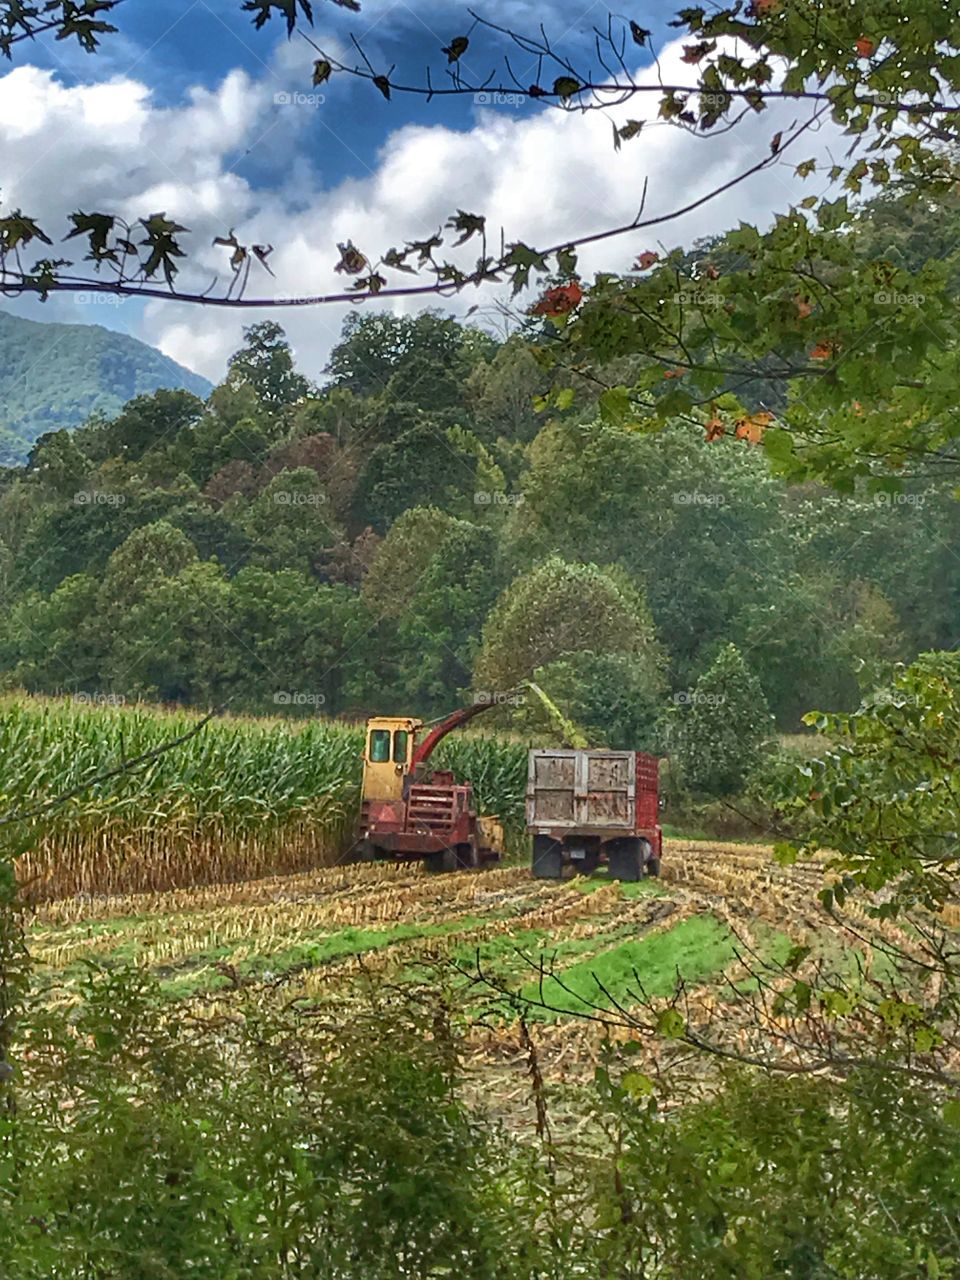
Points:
(543, 176)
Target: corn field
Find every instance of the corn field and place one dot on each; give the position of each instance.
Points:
(243, 799)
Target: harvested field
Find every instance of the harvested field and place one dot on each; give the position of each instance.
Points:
(720, 914)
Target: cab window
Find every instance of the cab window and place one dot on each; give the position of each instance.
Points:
(380, 746)
(400, 740)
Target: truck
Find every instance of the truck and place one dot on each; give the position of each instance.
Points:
(584, 808)
(409, 812)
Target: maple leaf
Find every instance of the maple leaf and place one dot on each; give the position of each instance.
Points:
(98, 227)
(558, 301)
(565, 87)
(673, 373)
(714, 429)
(712, 272)
(803, 306)
(372, 283)
(761, 8)
(865, 46)
(393, 258)
(646, 260)
(383, 84)
(456, 48)
(468, 224)
(424, 248)
(322, 70)
(352, 261)
(288, 8)
(752, 428)
(823, 351)
(694, 53)
(162, 243)
(640, 34)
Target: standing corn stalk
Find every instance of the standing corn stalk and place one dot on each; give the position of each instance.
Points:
(20, 831)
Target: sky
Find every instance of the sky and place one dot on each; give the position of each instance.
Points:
(191, 111)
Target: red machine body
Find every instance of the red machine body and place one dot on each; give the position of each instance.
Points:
(430, 815)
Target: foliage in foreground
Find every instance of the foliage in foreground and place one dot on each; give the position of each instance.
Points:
(281, 1143)
(884, 796)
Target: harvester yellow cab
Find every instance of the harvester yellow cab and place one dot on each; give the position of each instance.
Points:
(408, 813)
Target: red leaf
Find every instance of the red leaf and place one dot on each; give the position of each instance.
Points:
(558, 301)
(753, 427)
(674, 373)
(714, 429)
(646, 260)
(865, 47)
(823, 351)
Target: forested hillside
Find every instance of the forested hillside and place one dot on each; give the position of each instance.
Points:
(423, 526)
(57, 375)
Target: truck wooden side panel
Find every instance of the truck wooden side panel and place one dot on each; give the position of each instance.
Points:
(582, 791)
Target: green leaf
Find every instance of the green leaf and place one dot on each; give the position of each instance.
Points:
(637, 1084)
(670, 1024)
(615, 405)
(796, 957)
(565, 87)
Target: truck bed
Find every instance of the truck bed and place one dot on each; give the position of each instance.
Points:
(605, 793)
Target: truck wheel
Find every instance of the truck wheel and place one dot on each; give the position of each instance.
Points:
(547, 863)
(466, 856)
(653, 867)
(442, 860)
(625, 860)
(590, 863)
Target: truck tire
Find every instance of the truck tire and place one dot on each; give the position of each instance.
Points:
(441, 861)
(625, 860)
(653, 867)
(466, 856)
(547, 860)
(590, 863)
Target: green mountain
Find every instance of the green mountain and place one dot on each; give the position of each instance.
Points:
(56, 375)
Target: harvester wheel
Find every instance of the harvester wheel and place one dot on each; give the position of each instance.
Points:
(467, 857)
(625, 859)
(547, 861)
(442, 860)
